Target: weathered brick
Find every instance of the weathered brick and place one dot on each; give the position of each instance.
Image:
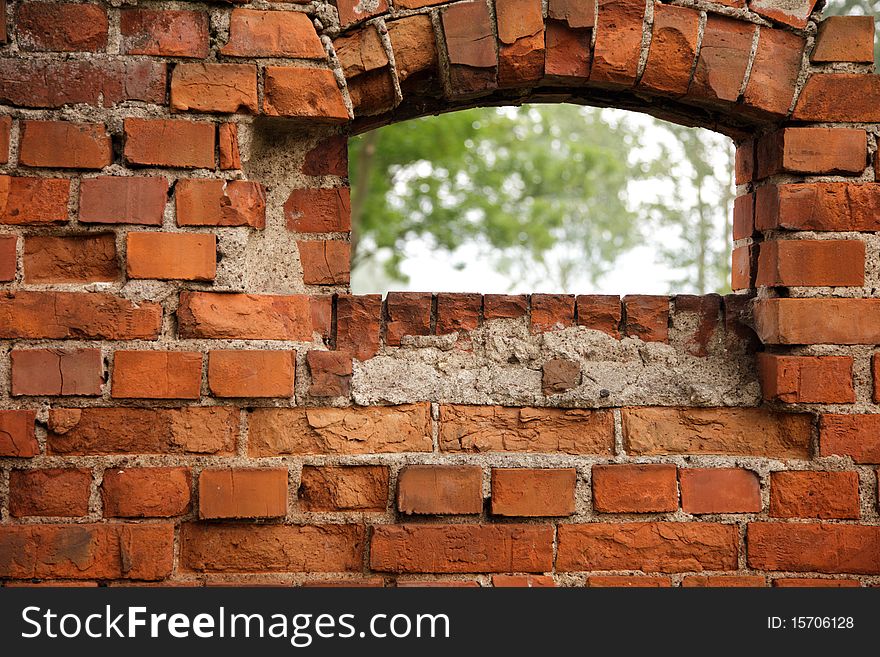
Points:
(845, 39)
(672, 51)
(470, 44)
(17, 435)
(533, 491)
(724, 581)
(146, 492)
(627, 581)
(61, 144)
(415, 52)
(813, 582)
(806, 379)
(793, 13)
(505, 306)
(409, 313)
(164, 143)
(794, 321)
(521, 41)
(430, 489)
(743, 216)
(775, 70)
(344, 488)
(647, 317)
(358, 324)
(567, 53)
(330, 372)
(618, 42)
(169, 256)
(635, 488)
(354, 11)
(600, 313)
(742, 271)
(551, 312)
(122, 200)
(272, 34)
(223, 88)
(457, 312)
(856, 436)
(724, 57)
(61, 492)
(819, 206)
(805, 494)
(814, 547)
(56, 371)
(157, 374)
(812, 263)
(329, 157)
(5, 130)
(171, 33)
(307, 93)
(251, 373)
(44, 26)
(8, 257)
(559, 375)
(227, 146)
(70, 259)
(812, 150)
(700, 317)
(839, 97)
(744, 162)
(325, 262)
(247, 316)
(243, 493)
(319, 210)
(220, 203)
(719, 490)
(523, 581)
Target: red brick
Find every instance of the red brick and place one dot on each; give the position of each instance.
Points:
(806, 379)
(719, 490)
(505, 306)
(76, 551)
(62, 492)
(307, 93)
(647, 317)
(523, 581)
(354, 11)
(8, 257)
(43, 26)
(430, 490)
(845, 39)
(159, 142)
(665, 547)
(559, 375)
(672, 51)
(521, 42)
(839, 97)
(80, 315)
(194, 430)
(409, 313)
(415, 52)
(227, 146)
(170, 256)
(627, 581)
(462, 548)
(70, 259)
(775, 70)
(804, 494)
(700, 316)
(856, 436)
(122, 200)
(575, 13)
(470, 45)
(744, 162)
(794, 321)
(726, 581)
(438, 584)
(243, 493)
(741, 269)
(743, 216)
(344, 488)
(814, 548)
(165, 32)
(56, 371)
(329, 157)
(533, 492)
(146, 492)
(246, 316)
(202, 202)
(366, 582)
(635, 488)
(739, 431)
(251, 373)
(59, 144)
(457, 312)
(618, 42)
(325, 262)
(812, 150)
(724, 57)
(551, 312)
(157, 374)
(319, 210)
(214, 88)
(272, 34)
(790, 13)
(358, 324)
(807, 582)
(567, 53)
(599, 313)
(17, 436)
(331, 373)
(5, 129)
(812, 263)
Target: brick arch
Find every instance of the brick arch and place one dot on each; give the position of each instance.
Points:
(180, 353)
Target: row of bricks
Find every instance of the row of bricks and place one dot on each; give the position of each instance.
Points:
(147, 551)
(645, 431)
(252, 493)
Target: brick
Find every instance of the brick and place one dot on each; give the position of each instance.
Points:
(551, 312)
(559, 375)
(353, 430)
(220, 203)
(600, 313)
(195, 430)
(719, 490)
(725, 581)
(409, 313)
(576, 14)
(61, 492)
(700, 317)
(435, 490)
(819, 206)
(462, 548)
(246, 316)
(814, 548)
(165, 32)
(798, 150)
(227, 146)
(724, 57)
(223, 88)
(742, 275)
(329, 157)
(673, 50)
(845, 39)
(647, 317)
(457, 312)
(330, 372)
(812, 263)
(743, 216)
(526, 492)
(504, 306)
(735, 431)
(8, 257)
(43, 26)
(101, 82)
(775, 70)
(839, 97)
(366, 582)
(251, 373)
(146, 492)
(416, 4)
(77, 551)
(856, 436)
(635, 488)
(243, 493)
(523, 581)
(358, 324)
(56, 371)
(325, 262)
(793, 321)
(437, 584)
(272, 34)
(415, 52)
(354, 11)
(60, 144)
(521, 41)
(367, 68)
(307, 93)
(5, 130)
(344, 488)
(501, 428)
(744, 162)
(17, 436)
(618, 42)
(470, 45)
(664, 547)
(170, 256)
(627, 581)
(810, 582)
(157, 375)
(71, 259)
(567, 53)
(164, 143)
(319, 210)
(804, 494)
(122, 200)
(80, 315)
(793, 13)
(806, 379)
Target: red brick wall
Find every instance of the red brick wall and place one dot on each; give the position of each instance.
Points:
(189, 395)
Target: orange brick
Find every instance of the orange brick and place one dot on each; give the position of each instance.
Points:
(251, 373)
(243, 493)
(53, 492)
(812, 150)
(806, 379)
(812, 263)
(634, 488)
(17, 436)
(26, 201)
(164, 143)
(157, 374)
(719, 490)
(803, 494)
(814, 547)
(272, 34)
(70, 259)
(225, 88)
(627, 581)
(59, 144)
(165, 32)
(168, 256)
(845, 39)
(533, 492)
(726, 581)
(856, 436)
(428, 489)
(523, 581)
(122, 200)
(344, 488)
(220, 203)
(8, 257)
(56, 371)
(146, 492)
(325, 262)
